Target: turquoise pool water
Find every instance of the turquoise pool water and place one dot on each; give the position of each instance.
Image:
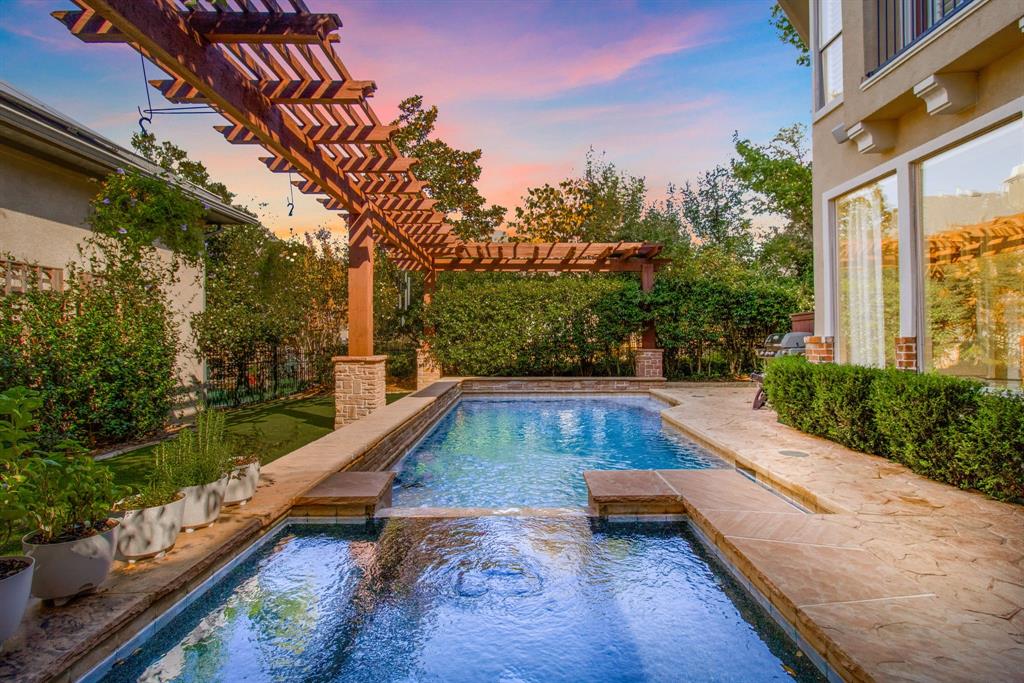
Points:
(503, 599)
(531, 452)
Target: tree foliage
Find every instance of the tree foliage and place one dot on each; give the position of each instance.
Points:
(787, 34)
(176, 161)
(778, 176)
(452, 173)
(715, 211)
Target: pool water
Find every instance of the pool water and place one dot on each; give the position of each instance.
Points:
(475, 599)
(531, 452)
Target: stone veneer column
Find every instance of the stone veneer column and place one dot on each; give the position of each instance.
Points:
(427, 368)
(359, 387)
(906, 353)
(820, 349)
(649, 363)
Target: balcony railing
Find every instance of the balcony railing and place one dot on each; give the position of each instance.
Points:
(900, 24)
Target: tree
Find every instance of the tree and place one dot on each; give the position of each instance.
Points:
(778, 175)
(714, 210)
(787, 34)
(452, 173)
(603, 205)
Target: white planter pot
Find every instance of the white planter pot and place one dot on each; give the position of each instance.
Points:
(63, 570)
(203, 503)
(150, 531)
(14, 592)
(243, 484)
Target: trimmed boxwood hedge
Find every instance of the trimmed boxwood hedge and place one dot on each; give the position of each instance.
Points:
(947, 428)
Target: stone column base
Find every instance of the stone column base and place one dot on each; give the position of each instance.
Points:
(906, 353)
(359, 386)
(820, 349)
(427, 368)
(649, 363)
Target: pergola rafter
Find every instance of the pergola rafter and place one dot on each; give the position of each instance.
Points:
(276, 77)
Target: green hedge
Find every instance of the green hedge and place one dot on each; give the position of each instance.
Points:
(946, 428)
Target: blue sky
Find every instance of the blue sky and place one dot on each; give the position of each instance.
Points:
(658, 87)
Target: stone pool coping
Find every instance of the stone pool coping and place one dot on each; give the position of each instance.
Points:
(962, 547)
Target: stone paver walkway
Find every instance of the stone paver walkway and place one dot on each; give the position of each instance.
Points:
(907, 579)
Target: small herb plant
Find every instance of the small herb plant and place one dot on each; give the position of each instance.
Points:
(16, 406)
(198, 456)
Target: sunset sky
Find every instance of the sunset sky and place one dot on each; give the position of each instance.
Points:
(658, 87)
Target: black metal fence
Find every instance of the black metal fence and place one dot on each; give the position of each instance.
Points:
(266, 374)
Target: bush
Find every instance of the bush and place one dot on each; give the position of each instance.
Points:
(842, 410)
(535, 324)
(100, 353)
(990, 449)
(947, 428)
(789, 383)
(919, 417)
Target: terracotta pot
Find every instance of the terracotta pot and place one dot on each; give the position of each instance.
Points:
(203, 503)
(63, 570)
(14, 592)
(149, 532)
(242, 486)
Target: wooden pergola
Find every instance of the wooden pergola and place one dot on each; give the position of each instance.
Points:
(270, 68)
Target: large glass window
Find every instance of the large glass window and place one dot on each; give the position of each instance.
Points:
(971, 208)
(830, 50)
(868, 274)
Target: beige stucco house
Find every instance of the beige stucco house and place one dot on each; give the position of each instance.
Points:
(48, 163)
(918, 148)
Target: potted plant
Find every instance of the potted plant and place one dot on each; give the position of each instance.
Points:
(69, 503)
(16, 406)
(150, 521)
(245, 473)
(199, 462)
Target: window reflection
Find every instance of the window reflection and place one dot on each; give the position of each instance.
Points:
(972, 219)
(868, 246)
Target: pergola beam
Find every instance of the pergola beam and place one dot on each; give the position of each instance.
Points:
(321, 135)
(302, 91)
(216, 27)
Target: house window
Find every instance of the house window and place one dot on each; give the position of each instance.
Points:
(830, 50)
(971, 216)
(868, 274)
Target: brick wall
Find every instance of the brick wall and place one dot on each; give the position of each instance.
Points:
(359, 386)
(820, 349)
(427, 369)
(906, 353)
(649, 363)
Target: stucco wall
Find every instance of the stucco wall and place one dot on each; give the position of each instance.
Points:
(43, 208)
(986, 39)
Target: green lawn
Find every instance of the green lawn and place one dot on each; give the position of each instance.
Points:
(278, 427)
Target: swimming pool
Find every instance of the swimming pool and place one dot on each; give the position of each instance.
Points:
(496, 452)
(473, 599)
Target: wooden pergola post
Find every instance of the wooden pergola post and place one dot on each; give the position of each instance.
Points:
(648, 356)
(359, 378)
(427, 368)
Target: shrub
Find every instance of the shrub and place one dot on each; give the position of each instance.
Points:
(842, 410)
(990, 449)
(789, 383)
(947, 428)
(100, 353)
(919, 416)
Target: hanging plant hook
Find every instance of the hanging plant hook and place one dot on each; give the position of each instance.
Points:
(291, 195)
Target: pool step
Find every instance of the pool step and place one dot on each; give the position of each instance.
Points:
(346, 494)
